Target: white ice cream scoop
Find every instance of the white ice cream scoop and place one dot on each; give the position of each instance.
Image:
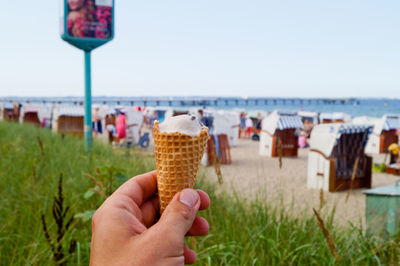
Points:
(184, 124)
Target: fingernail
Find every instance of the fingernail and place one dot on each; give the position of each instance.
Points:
(189, 197)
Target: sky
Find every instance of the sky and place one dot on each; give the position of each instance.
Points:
(290, 48)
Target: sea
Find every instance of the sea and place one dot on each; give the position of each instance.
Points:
(360, 107)
(373, 107)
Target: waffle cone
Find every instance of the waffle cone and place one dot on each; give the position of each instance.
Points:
(177, 161)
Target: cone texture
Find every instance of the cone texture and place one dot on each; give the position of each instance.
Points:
(177, 160)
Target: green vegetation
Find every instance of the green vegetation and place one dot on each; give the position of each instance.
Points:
(242, 232)
(29, 183)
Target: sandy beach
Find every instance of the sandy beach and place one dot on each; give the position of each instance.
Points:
(253, 176)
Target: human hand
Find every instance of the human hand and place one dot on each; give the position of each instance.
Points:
(124, 233)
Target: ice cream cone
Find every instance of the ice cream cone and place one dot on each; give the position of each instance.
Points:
(177, 160)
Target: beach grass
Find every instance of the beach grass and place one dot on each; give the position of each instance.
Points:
(242, 232)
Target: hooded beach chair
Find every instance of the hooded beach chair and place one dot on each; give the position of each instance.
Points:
(383, 134)
(68, 120)
(334, 150)
(280, 127)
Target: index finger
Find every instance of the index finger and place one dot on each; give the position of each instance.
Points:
(139, 188)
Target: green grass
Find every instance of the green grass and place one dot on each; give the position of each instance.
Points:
(28, 183)
(241, 232)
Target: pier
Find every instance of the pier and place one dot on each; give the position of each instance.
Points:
(184, 101)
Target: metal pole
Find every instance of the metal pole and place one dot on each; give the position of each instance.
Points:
(88, 102)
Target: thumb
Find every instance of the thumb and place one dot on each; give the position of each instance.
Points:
(179, 215)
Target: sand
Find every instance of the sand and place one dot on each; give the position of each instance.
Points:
(254, 176)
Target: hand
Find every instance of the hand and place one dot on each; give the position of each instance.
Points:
(124, 233)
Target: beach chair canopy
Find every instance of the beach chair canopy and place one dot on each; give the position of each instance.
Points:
(30, 109)
(225, 122)
(308, 114)
(281, 120)
(391, 122)
(335, 116)
(8, 106)
(386, 122)
(43, 111)
(73, 111)
(325, 136)
(365, 120)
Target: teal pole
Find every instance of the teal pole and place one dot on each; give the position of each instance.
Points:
(88, 102)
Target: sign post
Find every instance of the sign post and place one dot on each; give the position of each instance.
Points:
(88, 100)
(87, 24)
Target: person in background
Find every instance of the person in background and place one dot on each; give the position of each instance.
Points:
(153, 118)
(394, 153)
(307, 128)
(15, 114)
(208, 121)
(96, 122)
(302, 140)
(110, 126)
(201, 117)
(242, 126)
(249, 127)
(259, 123)
(121, 127)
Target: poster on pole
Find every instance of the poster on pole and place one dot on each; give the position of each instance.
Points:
(87, 24)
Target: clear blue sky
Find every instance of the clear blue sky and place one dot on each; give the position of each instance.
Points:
(210, 47)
